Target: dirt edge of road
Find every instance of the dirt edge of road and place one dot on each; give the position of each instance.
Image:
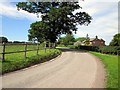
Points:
(100, 80)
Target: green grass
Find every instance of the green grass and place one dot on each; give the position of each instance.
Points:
(68, 46)
(111, 66)
(12, 48)
(17, 61)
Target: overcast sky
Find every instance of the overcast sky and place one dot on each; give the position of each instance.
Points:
(15, 24)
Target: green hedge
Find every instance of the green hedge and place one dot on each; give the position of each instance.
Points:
(103, 49)
(109, 49)
(90, 48)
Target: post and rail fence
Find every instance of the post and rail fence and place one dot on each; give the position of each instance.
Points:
(3, 50)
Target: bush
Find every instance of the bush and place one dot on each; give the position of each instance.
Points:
(103, 49)
(109, 49)
(90, 48)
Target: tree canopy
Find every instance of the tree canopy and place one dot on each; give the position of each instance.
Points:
(116, 40)
(58, 17)
(80, 39)
(3, 39)
(67, 40)
(38, 31)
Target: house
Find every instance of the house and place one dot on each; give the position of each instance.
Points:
(96, 42)
(90, 42)
(78, 43)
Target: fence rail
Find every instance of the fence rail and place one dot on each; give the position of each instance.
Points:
(18, 51)
(3, 53)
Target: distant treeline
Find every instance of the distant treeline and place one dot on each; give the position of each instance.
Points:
(17, 42)
(5, 40)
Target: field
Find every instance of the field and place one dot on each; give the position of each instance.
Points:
(111, 66)
(17, 61)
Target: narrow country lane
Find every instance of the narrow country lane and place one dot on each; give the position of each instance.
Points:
(73, 69)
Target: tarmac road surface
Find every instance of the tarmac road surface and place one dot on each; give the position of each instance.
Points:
(72, 69)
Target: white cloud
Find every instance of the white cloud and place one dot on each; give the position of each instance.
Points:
(105, 20)
(6, 9)
(100, 0)
(104, 13)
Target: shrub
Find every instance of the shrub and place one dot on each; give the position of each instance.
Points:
(109, 49)
(91, 48)
(103, 49)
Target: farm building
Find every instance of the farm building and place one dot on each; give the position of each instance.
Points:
(91, 42)
(96, 42)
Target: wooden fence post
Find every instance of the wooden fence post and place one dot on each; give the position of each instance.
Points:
(37, 48)
(3, 52)
(54, 45)
(118, 52)
(25, 50)
(49, 45)
(45, 46)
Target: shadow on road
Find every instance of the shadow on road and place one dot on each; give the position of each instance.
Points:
(71, 50)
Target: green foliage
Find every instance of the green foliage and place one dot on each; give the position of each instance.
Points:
(58, 16)
(102, 49)
(39, 31)
(111, 65)
(60, 41)
(80, 39)
(116, 40)
(109, 49)
(67, 40)
(17, 61)
(3, 39)
(71, 46)
(90, 48)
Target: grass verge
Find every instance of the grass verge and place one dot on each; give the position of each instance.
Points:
(17, 61)
(111, 66)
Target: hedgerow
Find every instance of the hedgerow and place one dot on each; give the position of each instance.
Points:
(103, 49)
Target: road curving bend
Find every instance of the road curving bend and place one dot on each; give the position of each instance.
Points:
(73, 69)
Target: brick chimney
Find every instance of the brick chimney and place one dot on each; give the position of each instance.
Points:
(96, 37)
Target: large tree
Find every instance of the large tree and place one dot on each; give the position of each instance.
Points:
(67, 40)
(38, 31)
(3, 39)
(80, 39)
(116, 40)
(58, 16)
